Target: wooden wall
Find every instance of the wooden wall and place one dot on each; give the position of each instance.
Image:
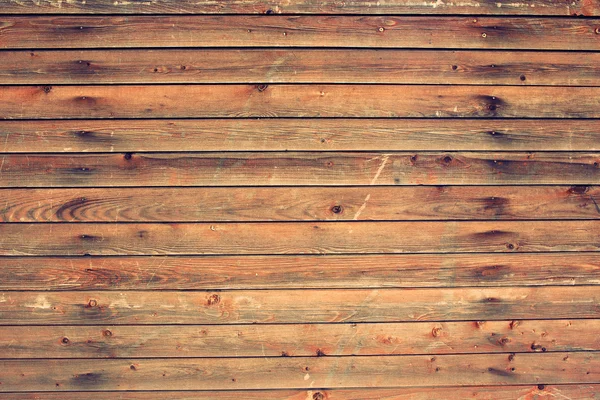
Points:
(299, 199)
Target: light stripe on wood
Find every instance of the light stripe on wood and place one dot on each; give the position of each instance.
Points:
(272, 272)
(300, 66)
(298, 134)
(299, 340)
(305, 373)
(300, 169)
(365, 237)
(287, 100)
(298, 306)
(462, 32)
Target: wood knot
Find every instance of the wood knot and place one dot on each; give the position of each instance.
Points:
(127, 156)
(514, 324)
(262, 87)
(454, 67)
(320, 353)
(503, 341)
(541, 387)
(106, 333)
(436, 332)
(447, 159)
(65, 340)
(510, 246)
(523, 78)
(269, 12)
(92, 303)
(336, 209)
(578, 189)
(132, 367)
(213, 299)
(511, 357)
(537, 347)
(318, 396)
(597, 31)
(285, 354)
(47, 89)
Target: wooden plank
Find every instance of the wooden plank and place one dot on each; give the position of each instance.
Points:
(276, 272)
(288, 100)
(300, 169)
(530, 7)
(37, 342)
(298, 306)
(299, 204)
(298, 134)
(305, 373)
(300, 66)
(365, 237)
(505, 392)
(461, 32)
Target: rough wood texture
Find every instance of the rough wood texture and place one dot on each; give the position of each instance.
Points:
(264, 272)
(301, 169)
(300, 66)
(305, 373)
(298, 134)
(531, 7)
(285, 100)
(299, 204)
(297, 306)
(299, 31)
(298, 238)
(505, 392)
(299, 340)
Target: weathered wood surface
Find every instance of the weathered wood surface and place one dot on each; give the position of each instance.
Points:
(299, 134)
(299, 340)
(300, 169)
(298, 306)
(462, 32)
(292, 372)
(300, 66)
(275, 272)
(288, 100)
(504, 392)
(300, 204)
(531, 7)
(365, 237)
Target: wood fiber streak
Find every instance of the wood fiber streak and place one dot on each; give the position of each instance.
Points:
(273, 272)
(301, 373)
(298, 238)
(531, 7)
(298, 134)
(300, 66)
(301, 169)
(463, 32)
(283, 100)
(299, 204)
(298, 306)
(505, 392)
(299, 340)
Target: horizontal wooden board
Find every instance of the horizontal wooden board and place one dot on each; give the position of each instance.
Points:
(300, 169)
(299, 340)
(300, 66)
(298, 134)
(463, 32)
(305, 373)
(504, 392)
(530, 7)
(285, 100)
(298, 306)
(300, 204)
(272, 272)
(365, 237)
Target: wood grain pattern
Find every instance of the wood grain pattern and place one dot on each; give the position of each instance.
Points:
(305, 373)
(504, 392)
(300, 66)
(298, 238)
(286, 100)
(299, 204)
(299, 340)
(463, 32)
(298, 306)
(531, 7)
(275, 272)
(299, 134)
(300, 169)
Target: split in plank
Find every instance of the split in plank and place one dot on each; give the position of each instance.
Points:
(299, 134)
(435, 32)
(302, 169)
(39, 342)
(298, 306)
(300, 204)
(290, 100)
(299, 373)
(297, 272)
(68, 239)
(300, 66)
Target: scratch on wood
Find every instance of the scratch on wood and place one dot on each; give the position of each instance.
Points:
(596, 204)
(362, 208)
